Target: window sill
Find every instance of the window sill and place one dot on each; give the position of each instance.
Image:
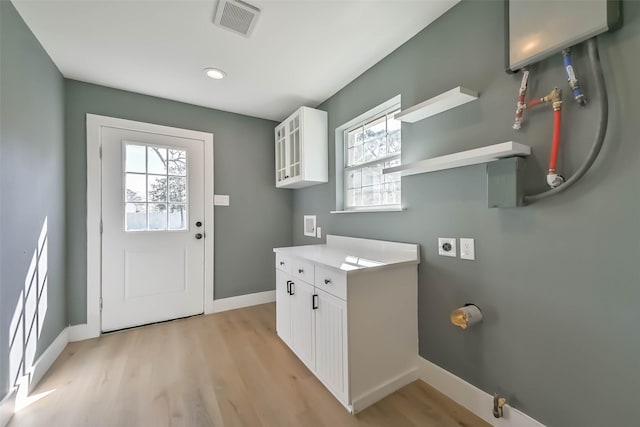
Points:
(354, 211)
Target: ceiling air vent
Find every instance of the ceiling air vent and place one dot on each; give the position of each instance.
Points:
(236, 16)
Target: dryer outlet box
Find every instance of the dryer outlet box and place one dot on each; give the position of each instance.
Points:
(447, 246)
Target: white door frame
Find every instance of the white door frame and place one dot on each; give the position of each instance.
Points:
(95, 123)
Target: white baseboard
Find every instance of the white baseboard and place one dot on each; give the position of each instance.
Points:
(241, 301)
(363, 401)
(14, 400)
(7, 407)
(46, 359)
(82, 332)
(471, 397)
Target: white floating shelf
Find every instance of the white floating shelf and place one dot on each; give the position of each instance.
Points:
(438, 104)
(476, 156)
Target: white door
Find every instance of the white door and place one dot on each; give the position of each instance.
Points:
(153, 252)
(283, 307)
(331, 342)
(302, 322)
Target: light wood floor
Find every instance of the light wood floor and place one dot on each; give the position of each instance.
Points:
(227, 369)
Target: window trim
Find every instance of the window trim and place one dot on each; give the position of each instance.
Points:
(340, 164)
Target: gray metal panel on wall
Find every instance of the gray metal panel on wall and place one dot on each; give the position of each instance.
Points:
(257, 220)
(559, 336)
(32, 228)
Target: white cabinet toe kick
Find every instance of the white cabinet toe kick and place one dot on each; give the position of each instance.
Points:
(348, 309)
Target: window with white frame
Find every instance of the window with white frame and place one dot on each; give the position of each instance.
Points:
(371, 145)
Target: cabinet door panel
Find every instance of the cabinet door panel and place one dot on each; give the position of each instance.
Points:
(283, 304)
(293, 141)
(331, 342)
(302, 322)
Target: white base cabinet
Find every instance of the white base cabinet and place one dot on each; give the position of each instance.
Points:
(331, 343)
(354, 326)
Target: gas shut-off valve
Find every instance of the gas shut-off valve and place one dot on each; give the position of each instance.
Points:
(498, 405)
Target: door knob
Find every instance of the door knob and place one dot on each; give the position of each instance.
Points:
(198, 223)
(199, 236)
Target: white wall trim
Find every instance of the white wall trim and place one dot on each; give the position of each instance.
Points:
(363, 401)
(95, 123)
(471, 397)
(80, 332)
(30, 380)
(44, 362)
(208, 307)
(241, 301)
(339, 152)
(8, 407)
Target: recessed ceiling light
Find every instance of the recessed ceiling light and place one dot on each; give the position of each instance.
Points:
(215, 73)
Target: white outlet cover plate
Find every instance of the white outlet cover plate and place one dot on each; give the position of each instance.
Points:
(450, 240)
(467, 249)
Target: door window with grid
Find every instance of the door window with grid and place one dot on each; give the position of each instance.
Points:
(155, 188)
(371, 146)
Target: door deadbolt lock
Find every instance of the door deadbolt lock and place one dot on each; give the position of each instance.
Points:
(199, 236)
(198, 223)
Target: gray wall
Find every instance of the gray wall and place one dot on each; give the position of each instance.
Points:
(258, 219)
(31, 182)
(558, 281)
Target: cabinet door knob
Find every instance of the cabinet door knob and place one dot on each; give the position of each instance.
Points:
(300, 271)
(327, 281)
(281, 262)
(199, 236)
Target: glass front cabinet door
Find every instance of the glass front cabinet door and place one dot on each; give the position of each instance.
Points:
(301, 149)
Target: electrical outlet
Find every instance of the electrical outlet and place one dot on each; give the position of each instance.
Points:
(447, 246)
(467, 249)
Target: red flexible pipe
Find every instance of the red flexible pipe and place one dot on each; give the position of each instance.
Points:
(534, 102)
(553, 159)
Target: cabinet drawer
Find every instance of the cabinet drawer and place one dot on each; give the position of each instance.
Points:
(283, 263)
(331, 281)
(303, 270)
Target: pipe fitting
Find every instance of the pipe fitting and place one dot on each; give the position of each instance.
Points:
(498, 405)
(520, 106)
(555, 97)
(554, 180)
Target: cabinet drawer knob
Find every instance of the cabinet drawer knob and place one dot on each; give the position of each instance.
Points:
(300, 271)
(281, 262)
(327, 281)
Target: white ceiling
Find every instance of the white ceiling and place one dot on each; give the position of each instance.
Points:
(300, 53)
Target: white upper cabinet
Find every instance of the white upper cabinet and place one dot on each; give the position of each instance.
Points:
(302, 149)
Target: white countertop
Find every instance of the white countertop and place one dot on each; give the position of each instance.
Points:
(353, 254)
